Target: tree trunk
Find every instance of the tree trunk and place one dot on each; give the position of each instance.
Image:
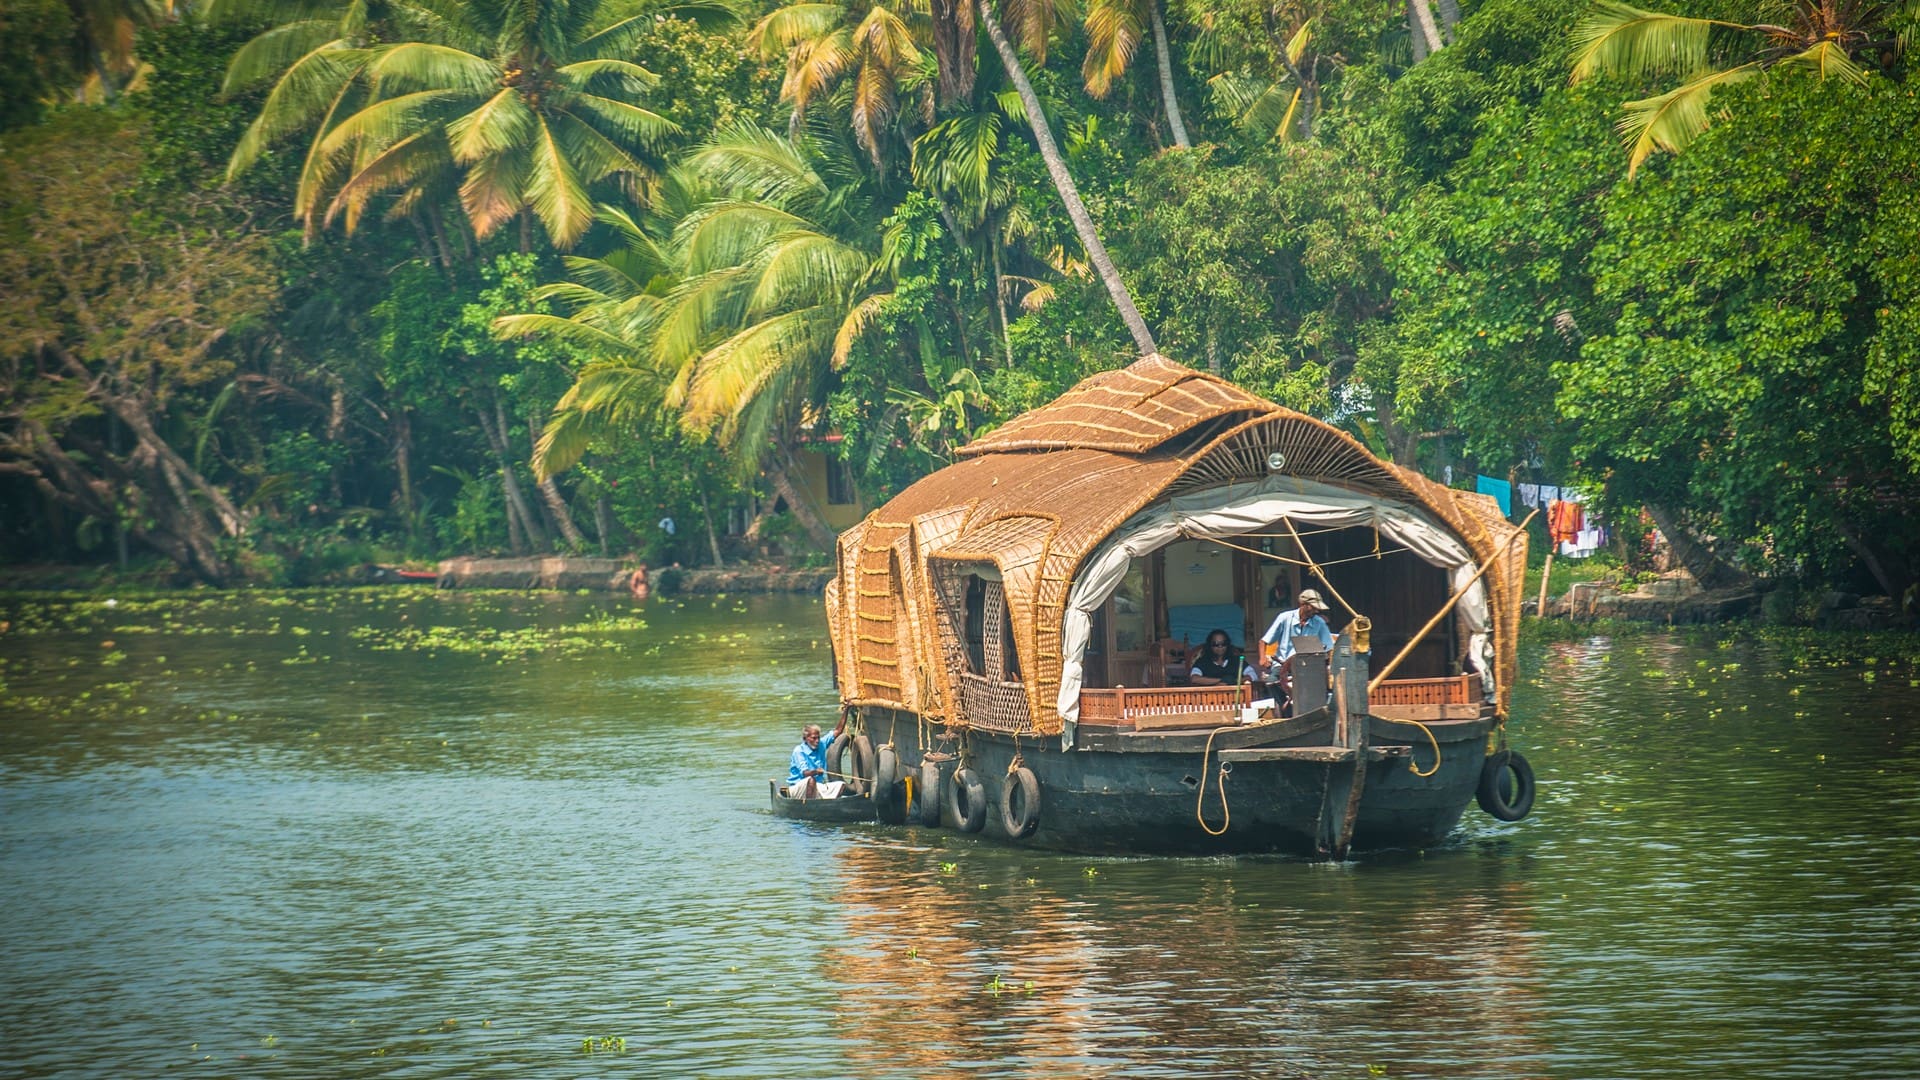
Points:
(713, 538)
(1403, 444)
(1000, 298)
(603, 521)
(402, 435)
(1063, 181)
(1707, 568)
(520, 519)
(556, 506)
(1425, 33)
(1449, 18)
(1893, 573)
(1172, 103)
(954, 42)
(780, 474)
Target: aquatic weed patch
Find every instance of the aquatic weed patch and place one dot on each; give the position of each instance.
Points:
(595, 635)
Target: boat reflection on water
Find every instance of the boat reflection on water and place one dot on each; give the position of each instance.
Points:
(962, 954)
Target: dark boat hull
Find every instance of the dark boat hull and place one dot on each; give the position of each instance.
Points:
(847, 809)
(1286, 791)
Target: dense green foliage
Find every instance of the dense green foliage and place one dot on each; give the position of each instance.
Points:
(540, 278)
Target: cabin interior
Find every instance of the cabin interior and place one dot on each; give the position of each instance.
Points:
(1173, 597)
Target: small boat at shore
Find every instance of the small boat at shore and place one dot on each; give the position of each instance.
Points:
(846, 808)
(1011, 633)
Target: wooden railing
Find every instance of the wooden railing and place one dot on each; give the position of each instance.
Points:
(1210, 706)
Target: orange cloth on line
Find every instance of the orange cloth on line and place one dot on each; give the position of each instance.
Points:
(1564, 521)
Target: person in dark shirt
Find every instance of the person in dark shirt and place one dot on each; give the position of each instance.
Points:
(1219, 663)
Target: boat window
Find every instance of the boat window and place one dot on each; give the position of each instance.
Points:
(976, 624)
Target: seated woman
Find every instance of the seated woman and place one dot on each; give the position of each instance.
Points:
(1219, 663)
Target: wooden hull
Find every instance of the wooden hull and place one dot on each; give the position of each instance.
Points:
(1287, 790)
(846, 809)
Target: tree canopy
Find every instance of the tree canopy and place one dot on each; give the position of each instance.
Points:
(596, 267)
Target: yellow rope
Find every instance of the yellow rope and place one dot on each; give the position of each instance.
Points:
(1317, 572)
(1301, 562)
(1411, 766)
(1200, 799)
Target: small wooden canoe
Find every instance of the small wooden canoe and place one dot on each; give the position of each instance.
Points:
(846, 808)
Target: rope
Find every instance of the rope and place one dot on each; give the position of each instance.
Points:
(1200, 799)
(1300, 562)
(1317, 572)
(1448, 606)
(1428, 732)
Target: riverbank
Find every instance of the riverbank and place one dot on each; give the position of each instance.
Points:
(1675, 599)
(553, 573)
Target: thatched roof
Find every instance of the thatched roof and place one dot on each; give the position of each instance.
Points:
(1036, 496)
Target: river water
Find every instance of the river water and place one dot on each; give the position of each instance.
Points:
(407, 833)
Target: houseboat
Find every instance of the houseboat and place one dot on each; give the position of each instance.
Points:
(1012, 633)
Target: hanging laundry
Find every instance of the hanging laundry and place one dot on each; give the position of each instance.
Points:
(1529, 494)
(1499, 489)
(1564, 521)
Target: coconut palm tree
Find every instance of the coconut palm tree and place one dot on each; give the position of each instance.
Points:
(733, 321)
(1035, 22)
(871, 58)
(1113, 33)
(1826, 37)
(527, 103)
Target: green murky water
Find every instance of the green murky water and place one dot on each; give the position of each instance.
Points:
(404, 833)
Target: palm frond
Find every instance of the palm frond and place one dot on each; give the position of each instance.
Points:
(555, 192)
(786, 27)
(310, 89)
(584, 72)
(634, 125)
(1297, 44)
(859, 317)
(278, 49)
(503, 120)
(754, 161)
(396, 166)
(384, 122)
(732, 375)
(1114, 31)
(803, 268)
(729, 233)
(494, 190)
(1674, 119)
(1829, 59)
(419, 64)
(1621, 39)
(591, 339)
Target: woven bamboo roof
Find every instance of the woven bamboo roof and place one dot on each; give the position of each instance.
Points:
(1128, 411)
(1035, 497)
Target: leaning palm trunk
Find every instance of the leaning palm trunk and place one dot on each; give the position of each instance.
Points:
(1163, 55)
(556, 504)
(1706, 566)
(781, 475)
(1063, 181)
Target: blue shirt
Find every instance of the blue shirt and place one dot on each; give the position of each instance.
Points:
(805, 758)
(1287, 625)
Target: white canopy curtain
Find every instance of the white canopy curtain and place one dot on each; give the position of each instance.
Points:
(1242, 508)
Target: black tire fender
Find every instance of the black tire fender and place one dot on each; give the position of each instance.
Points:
(860, 770)
(1020, 803)
(926, 794)
(969, 801)
(889, 798)
(1493, 796)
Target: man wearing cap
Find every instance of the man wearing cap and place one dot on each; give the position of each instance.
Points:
(1305, 619)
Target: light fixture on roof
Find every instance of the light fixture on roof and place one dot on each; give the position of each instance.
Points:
(1276, 461)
